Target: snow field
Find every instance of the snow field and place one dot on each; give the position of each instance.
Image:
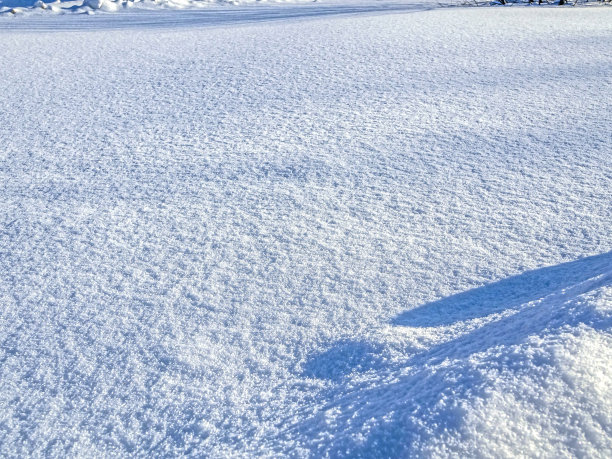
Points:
(367, 236)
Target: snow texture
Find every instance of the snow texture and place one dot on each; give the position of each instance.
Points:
(376, 235)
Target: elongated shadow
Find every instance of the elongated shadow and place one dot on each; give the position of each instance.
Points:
(505, 294)
(409, 399)
(574, 277)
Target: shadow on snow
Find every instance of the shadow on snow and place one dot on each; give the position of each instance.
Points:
(505, 294)
(418, 396)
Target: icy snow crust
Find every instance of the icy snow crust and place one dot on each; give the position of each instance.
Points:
(371, 236)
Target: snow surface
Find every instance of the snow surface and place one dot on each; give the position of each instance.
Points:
(375, 235)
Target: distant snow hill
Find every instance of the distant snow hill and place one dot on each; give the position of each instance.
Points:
(199, 12)
(302, 7)
(90, 6)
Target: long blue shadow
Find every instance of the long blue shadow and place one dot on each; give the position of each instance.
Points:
(505, 294)
(409, 401)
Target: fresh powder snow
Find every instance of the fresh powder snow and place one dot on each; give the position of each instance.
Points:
(326, 230)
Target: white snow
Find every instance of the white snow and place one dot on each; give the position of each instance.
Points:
(289, 231)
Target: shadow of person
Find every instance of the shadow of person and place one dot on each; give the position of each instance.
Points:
(505, 294)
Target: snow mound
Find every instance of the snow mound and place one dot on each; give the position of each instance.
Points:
(517, 381)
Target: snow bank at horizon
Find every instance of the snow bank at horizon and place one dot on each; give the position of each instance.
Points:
(29, 7)
(67, 7)
(369, 236)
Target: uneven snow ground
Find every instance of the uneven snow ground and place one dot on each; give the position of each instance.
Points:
(377, 235)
